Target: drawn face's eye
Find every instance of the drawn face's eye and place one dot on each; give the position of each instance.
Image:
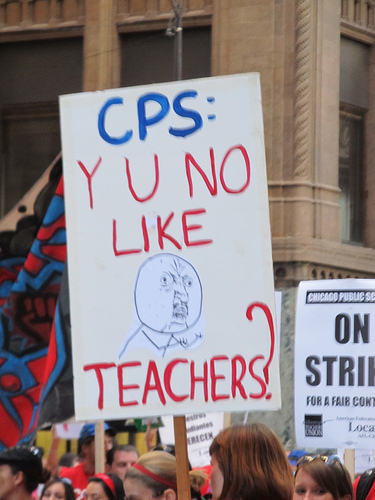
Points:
(188, 281)
(166, 280)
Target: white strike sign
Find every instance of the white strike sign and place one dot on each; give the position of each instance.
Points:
(169, 249)
(335, 364)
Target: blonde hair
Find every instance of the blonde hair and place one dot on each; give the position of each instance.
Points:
(164, 465)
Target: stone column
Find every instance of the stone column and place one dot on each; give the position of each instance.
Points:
(101, 46)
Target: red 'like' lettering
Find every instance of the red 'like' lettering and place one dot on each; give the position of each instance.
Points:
(192, 227)
(114, 242)
(162, 234)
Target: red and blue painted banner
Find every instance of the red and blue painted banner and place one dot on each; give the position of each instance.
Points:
(33, 351)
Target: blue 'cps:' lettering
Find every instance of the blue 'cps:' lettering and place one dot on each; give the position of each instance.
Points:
(145, 121)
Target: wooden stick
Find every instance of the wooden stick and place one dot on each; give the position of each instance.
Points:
(349, 461)
(183, 482)
(99, 447)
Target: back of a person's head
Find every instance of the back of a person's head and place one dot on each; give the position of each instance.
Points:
(128, 448)
(253, 463)
(163, 465)
(67, 459)
(158, 463)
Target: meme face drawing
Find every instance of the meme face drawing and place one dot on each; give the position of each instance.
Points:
(168, 306)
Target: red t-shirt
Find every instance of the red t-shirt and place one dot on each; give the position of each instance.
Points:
(78, 477)
(371, 493)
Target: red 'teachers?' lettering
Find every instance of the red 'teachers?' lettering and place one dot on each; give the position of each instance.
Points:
(194, 380)
(167, 380)
(152, 372)
(123, 387)
(152, 383)
(262, 384)
(236, 381)
(98, 367)
(215, 378)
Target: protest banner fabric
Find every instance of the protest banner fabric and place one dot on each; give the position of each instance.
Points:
(30, 329)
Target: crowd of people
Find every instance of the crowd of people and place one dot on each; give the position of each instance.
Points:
(248, 462)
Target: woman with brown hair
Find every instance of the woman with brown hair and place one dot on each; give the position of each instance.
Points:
(322, 477)
(249, 463)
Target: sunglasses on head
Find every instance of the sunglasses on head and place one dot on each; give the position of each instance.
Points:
(327, 459)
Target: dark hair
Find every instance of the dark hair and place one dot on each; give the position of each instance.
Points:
(68, 488)
(67, 459)
(110, 455)
(344, 482)
(117, 483)
(31, 478)
(332, 477)
(85, 442)
(253, 463)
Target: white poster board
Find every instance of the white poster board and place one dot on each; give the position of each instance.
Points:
(68, 431)
(335, 364)
(169, 249)
(201, 429)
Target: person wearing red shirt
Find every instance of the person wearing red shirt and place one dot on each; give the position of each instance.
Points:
(81, 473)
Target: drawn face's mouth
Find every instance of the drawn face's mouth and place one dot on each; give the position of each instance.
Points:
(180, 312)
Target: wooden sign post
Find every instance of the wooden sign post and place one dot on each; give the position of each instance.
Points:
(183, 481)
(99, 447)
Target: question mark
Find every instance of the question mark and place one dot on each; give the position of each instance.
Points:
(249, 315)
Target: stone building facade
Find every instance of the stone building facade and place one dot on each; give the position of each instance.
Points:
(316, 61)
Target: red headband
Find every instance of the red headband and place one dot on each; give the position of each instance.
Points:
(156, 477)
(108, 481)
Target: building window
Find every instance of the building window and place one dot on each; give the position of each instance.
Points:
(351, 175)
(33, 74)
(30, 141)
(354, 99)
(148, 57)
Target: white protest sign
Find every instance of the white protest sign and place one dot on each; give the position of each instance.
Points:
(68, 431)
(335, 364)
(201, 429)
(364, 459)
(169, 249)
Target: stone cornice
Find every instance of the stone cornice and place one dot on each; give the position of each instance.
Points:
(309, 258)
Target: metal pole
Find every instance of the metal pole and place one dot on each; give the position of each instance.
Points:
(177, 8)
